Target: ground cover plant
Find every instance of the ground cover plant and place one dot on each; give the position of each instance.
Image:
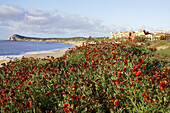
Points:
(100, 77)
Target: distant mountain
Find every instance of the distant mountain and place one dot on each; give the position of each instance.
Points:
(17, 37)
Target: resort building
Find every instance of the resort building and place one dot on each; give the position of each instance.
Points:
(141, 33)
(128, 34)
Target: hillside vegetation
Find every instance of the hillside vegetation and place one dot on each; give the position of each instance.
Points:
(100, 77)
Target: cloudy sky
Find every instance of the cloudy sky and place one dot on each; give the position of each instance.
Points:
(68, 18)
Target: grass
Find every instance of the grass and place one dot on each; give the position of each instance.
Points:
(158, 43)
(161, 54)
(165, 52)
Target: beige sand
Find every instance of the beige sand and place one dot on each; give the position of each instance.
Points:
(44, 55)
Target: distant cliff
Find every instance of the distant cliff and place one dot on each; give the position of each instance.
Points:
(17, 37)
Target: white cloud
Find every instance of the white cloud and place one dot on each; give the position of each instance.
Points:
(34, 22)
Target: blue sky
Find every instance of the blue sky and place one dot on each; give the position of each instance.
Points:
(68, 18)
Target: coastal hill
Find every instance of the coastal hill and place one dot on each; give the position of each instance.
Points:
(17, 37)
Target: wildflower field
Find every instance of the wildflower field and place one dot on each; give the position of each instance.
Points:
(93, 78)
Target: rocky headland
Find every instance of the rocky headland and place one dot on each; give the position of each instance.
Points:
(17, 37)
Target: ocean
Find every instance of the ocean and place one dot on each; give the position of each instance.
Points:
(13, 49)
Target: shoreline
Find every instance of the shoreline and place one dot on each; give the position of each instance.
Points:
(55, 54)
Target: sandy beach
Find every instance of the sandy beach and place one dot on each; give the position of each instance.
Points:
(43, 55)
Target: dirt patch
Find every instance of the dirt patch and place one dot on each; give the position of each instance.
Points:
(162, 47)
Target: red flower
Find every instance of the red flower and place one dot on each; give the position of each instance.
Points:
(138, 73)
(45, 75)
(83, 97)
(75, 83)
(47, 93)
(125, 62)
(145, 100)
(72, 110)
(135, 69)
(74, 97)
(116, 102)
(108, 67)
(48, 68)
(96, 80)
(113, 80)
(4, 100)
(140, 60)
(144, 67)
(99, 83)
(119, 75)
(117, 81)
(28, 104)
(29, 83)
(124, 69)
(65, 106)
(143, 94)
(73, 88)
(149, 98)
(71, 70)
(162, 84)
(124, 81)
(5, 91)
(82, 83)
(13, 78)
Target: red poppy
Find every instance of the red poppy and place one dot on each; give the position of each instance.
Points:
(65, 106)
(116, 102)
(119, 74)
(28, 104)
(162, 84)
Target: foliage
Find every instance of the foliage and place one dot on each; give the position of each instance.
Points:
(100, 77)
